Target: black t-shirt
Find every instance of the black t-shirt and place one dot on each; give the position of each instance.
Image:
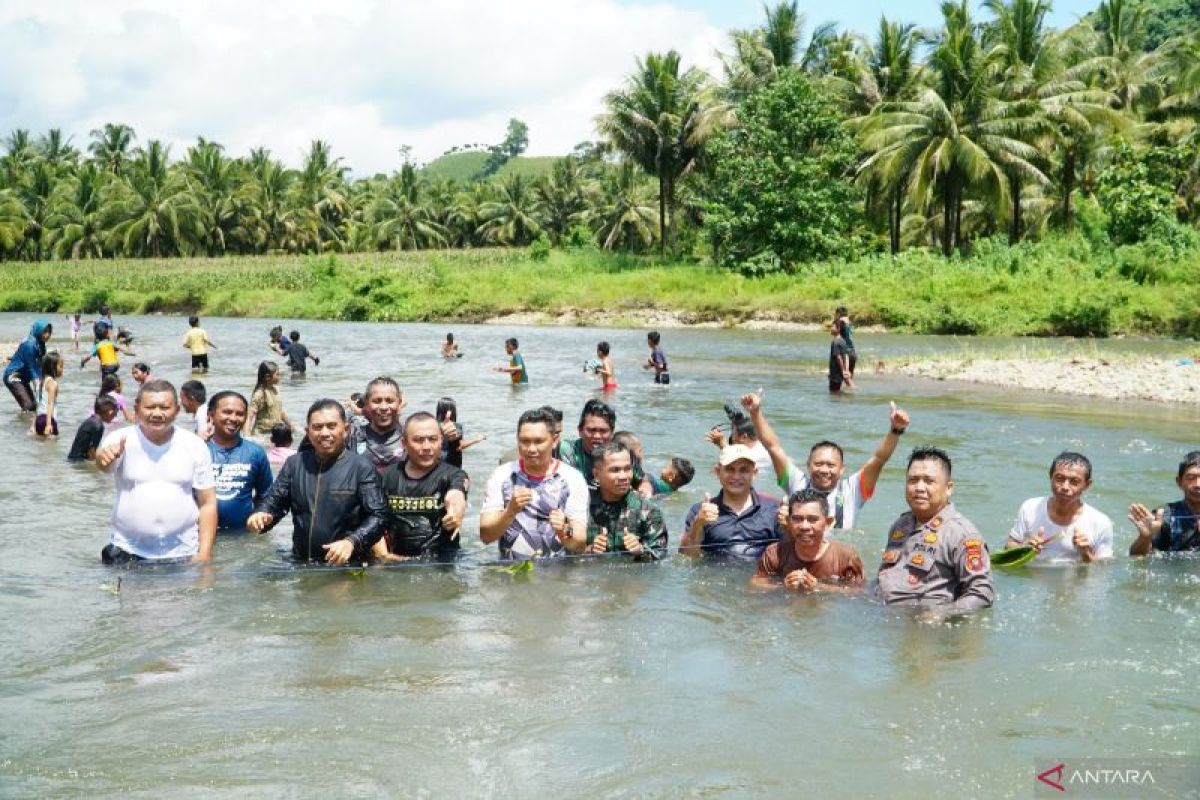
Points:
(415, 507)
(90, 432)
(837, 348)
(450, 452)
(296, 355)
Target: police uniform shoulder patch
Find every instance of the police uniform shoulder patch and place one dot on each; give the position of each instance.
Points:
(974, 555)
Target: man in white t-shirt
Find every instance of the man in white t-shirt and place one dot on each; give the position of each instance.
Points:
(536, 506)
(826, 466)
(166, 503)
(1062, 526)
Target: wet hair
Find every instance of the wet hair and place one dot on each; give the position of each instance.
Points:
(154, 387)
(450, 338)
(356, 399)
(929, 453)
(1190, 461)
(841, 311)
(821, 445)
(602, 348)
(215, 400)
(653, 337)
(142, 366)
(194, 390)
(598, 408)
(535, 416)
(1068, 458)
(104, 403)
(266, 370)
(111, 383)
(194, 321)
(511, 343)
(808, 495)
(601, 454)
(51, 364)
(322, 404)
(382, 380)
(684, 471)
(281, 434)
(276, 333)
(447, 404)
(554, 412)
(294, 336)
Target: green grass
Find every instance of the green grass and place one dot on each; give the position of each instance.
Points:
(464, 167)
(1058, 287)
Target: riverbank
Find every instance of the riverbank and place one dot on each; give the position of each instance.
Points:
(1063, 287)
(1113, 378)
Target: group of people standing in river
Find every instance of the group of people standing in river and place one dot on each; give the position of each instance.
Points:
(369, 484)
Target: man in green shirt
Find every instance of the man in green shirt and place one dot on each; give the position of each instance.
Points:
(620, 519)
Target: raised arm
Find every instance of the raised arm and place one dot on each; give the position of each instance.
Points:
(766, 434)
(870, 472)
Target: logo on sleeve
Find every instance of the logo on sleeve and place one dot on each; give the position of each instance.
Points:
(975, 560)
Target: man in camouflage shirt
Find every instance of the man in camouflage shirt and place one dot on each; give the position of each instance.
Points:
(619, 519)
(934, 557)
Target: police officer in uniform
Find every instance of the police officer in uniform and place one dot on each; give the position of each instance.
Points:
(934, 556)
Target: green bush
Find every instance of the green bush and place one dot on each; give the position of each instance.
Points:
(539, 248)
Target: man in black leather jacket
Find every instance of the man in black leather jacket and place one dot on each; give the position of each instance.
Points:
(334, 496)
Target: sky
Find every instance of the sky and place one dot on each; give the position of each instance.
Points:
(367, 76)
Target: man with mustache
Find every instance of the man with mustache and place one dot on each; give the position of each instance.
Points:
(333, 494)
(620, 519)
(935, 558)
(805, 561)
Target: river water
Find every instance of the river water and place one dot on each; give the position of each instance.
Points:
(598, 679)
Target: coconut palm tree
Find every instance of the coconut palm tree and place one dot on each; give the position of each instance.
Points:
(661, 120)
(564, 197)
(625, 215)
(13, 221)
(512, 216)
(111, 146)
(957, 138)
(57, 151)
(399, 217)
(77, 218)
(1134, 75)
(155, 212)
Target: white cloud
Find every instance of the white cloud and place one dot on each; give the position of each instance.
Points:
(366, 75)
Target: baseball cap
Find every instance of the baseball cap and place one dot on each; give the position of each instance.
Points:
(736, 452)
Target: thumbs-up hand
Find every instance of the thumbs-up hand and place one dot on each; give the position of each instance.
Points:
(708, 510)
(600, 543)
(632, 543)
(107, 456)
(449, 429)
(899, 418)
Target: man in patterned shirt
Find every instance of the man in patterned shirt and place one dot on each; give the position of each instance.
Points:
(620, 519)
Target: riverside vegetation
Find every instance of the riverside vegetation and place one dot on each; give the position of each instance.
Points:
(1061, 286)
(993, 175)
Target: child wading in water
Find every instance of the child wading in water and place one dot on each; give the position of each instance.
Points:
(197, 341)
(297, 353)
(450, 348)
(45, 424)
(266, 406)
(606, 370)
(658, 359)
(281, 445)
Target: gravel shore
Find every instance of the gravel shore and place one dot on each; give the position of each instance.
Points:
(1161, 380)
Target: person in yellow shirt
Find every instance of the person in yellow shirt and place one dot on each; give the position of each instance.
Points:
(106, 349)
(197, 342)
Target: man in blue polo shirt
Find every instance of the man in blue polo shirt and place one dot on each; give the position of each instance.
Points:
(738, 521)
(240, 467)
